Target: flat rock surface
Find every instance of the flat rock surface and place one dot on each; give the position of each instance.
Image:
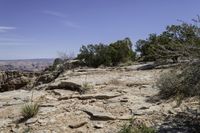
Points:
(116, 95)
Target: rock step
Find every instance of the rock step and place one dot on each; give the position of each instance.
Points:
(91, 96)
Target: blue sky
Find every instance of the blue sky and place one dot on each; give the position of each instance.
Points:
(41, 28)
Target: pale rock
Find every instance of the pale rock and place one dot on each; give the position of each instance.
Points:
(31, 121)
(98, 113)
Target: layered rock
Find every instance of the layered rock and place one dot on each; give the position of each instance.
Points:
(14, 80)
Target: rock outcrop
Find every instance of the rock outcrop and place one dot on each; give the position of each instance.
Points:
(14, 80)
(58, 67)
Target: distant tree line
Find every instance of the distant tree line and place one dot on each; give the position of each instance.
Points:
(175, 42)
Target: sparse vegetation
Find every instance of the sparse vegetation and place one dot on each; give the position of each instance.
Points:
(181, 82)
(129, 128)
(168, 83)
(86, 87)
(126, 129)
(115, 81)
(57, 61)
(65, 56)
(29, 110)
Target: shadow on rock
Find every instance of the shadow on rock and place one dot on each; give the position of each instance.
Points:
(182, 123)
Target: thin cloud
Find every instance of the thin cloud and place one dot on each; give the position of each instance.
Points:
(6, 28)
(62, 18)
(15, 42)
(54, 13)
(70, 24)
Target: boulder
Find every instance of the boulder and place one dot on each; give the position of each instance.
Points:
(47, 77)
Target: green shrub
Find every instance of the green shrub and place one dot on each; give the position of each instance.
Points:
(29, 110)
(144, 129)
(126, 129)
(86, 87)
(176, 41)
(121, 51)
(108, 55)
(168, 84)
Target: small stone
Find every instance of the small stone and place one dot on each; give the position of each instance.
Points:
(171, 112)
(98, 125)
(30, 121)
(84, 102)
(92, 100)
(98, 113)
(139, 113)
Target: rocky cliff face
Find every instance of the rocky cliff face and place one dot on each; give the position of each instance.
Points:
(14, 80)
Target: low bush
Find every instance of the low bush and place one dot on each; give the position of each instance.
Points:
(168, 84)
(29, 110)
(181, 82)
(86, 87)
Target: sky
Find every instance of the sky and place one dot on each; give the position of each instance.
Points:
(42, 28)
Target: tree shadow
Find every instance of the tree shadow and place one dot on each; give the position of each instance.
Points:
(182, 123)
(21, 120)
(154, 99)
